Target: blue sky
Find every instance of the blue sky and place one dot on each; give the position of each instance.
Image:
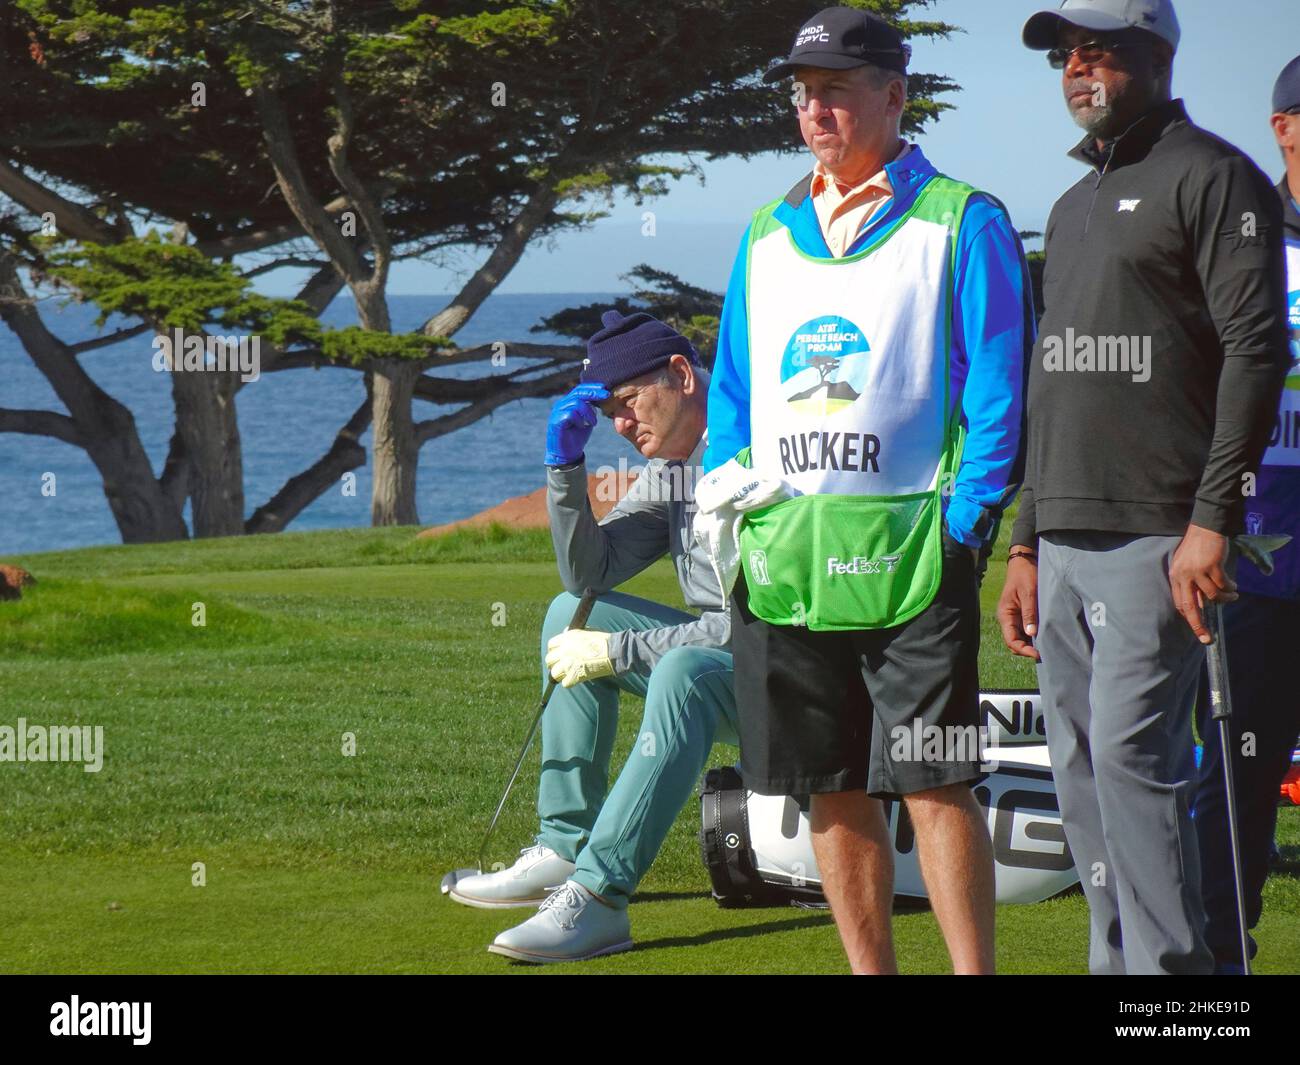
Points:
(1008, 134)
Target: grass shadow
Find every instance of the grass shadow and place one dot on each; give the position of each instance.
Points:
(719, 935)
(669, 896)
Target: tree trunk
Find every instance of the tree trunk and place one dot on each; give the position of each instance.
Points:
(142, 510)
(395, 450)
(105, 428)
(205, 417)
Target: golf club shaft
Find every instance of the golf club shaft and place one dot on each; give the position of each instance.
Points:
(580, 617)
(1216, 656)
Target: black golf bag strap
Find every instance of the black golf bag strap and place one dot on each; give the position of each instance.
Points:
(724, 836)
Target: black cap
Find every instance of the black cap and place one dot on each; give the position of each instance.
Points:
(843, 37)
(1286, 93)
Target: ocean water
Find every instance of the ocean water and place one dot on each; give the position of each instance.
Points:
(287, 420)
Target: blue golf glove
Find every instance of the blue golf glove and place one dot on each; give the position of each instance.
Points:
(573, 418)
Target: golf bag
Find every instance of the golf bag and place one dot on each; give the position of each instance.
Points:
(758, 848)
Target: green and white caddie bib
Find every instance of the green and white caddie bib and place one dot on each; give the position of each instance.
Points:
(849, 403)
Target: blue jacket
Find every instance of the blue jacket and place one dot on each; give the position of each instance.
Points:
(993, 333)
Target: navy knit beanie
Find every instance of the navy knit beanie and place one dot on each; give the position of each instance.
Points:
(629, 347)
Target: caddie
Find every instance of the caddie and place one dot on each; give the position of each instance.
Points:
(592, 849)
(871, 360)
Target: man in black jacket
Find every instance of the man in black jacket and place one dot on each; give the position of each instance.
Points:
(1152, 393)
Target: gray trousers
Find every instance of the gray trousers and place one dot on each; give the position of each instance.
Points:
(1118, 676)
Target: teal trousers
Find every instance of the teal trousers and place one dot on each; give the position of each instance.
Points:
(689, 703)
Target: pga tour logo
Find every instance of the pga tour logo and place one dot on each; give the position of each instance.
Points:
(102, 1018)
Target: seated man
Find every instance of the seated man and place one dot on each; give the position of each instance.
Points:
(593, 849)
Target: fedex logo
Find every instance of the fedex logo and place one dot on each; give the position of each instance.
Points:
(860, 564)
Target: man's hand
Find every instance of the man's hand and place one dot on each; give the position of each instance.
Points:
(573, 418)
(578, 655)
(1018, 607)
(1196, 575)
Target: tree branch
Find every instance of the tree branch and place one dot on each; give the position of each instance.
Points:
(112, 338)
(558, 352)
(320, 289)
(551, 384)
(443, 390)
(278, 138)
(300, 491)
(71, 218)
(371, 217)
(276, 264)
(257, 239)
(41, 423)
(175, 478)
(511, 247)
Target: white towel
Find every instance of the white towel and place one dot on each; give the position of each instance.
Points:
(723, 498)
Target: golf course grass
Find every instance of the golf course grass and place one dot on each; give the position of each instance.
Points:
(224, 745)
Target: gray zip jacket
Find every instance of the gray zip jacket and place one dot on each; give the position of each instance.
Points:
(655, 517)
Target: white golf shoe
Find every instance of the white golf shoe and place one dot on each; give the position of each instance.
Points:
(571, 925)
(536, 873)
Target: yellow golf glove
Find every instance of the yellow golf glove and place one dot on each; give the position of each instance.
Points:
(578, 655)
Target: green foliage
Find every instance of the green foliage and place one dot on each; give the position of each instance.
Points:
(181, 288)
(691, 310)
(356, 346)
(175, 284)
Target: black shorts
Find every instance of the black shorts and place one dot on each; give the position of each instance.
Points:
(837, 711)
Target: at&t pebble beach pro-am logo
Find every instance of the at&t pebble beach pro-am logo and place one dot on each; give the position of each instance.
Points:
(824, 366)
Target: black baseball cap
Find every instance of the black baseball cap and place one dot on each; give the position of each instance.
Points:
(1286, 93)
(840, 38)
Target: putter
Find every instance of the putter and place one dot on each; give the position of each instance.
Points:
(579, 620)
(1259, 550)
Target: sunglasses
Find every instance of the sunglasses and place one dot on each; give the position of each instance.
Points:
(1089, 52)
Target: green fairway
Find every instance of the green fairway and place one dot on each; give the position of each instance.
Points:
(224, 745)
